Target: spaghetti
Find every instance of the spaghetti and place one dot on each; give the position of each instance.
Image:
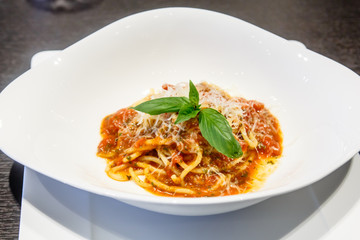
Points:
(176, 160)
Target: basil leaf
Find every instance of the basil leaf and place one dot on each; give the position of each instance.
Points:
(162, 105)
(193, 94)
(216, 130)
(187, 112)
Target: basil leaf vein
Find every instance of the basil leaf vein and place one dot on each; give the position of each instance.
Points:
(193, 94)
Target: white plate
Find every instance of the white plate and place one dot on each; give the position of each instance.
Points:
(50, 116)
(328, 210)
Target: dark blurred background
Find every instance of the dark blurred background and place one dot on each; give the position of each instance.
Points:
(329, 27)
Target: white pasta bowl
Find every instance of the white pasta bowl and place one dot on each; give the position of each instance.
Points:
(50, 116)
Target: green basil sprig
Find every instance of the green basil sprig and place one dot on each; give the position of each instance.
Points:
(213, 125)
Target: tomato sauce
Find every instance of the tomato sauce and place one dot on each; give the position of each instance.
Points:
(119, 132)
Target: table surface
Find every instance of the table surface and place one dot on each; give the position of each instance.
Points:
(329, 27)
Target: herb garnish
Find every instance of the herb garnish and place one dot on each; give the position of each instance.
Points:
(213, 125)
